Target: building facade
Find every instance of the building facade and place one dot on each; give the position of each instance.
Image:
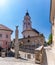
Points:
(31, 40)
(52, 17)
(28, 31)
(5, 36)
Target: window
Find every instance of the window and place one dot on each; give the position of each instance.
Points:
(6, 36)
(0, 35)
(29, 56)
(24, 36)
(0, 43)
(28, 36)
(28, 40)
(24, 23)
(6, 43)
(28, 23)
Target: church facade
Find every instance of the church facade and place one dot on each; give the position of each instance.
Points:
(31, 40)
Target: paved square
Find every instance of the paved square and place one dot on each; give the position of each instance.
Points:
(13, 61)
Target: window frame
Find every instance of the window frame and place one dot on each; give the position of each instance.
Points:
(0, 35)
(6, 35)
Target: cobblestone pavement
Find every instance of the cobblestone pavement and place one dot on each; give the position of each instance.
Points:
(49, 57)
(13, 61)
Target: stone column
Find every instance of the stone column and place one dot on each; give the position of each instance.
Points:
(16, 43)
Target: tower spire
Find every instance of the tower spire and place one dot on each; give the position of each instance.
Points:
(27, 24)
(27, 14)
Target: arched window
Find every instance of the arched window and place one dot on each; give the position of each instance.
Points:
(28, 36)
(28, 23)
(28, 40)
(29, 56)
(6, 36)
(0, 35)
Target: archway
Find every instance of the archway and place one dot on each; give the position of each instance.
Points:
(0, 50)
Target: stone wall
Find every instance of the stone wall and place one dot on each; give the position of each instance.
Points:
(39, 55)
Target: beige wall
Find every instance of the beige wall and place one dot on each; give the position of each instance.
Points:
(53, 22)
(24, 55)
(53, 33)
(52, 10)
(33, 40)
(29, 33)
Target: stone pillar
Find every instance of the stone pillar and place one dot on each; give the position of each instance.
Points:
(16, 43)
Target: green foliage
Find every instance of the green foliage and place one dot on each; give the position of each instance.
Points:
(50, 39)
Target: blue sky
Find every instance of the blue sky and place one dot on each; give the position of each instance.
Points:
(12, 13)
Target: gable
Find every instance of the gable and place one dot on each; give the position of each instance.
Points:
(2, 27)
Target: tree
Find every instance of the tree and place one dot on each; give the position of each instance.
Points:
(50, 39)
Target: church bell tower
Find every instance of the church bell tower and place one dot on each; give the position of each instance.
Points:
(27, 22)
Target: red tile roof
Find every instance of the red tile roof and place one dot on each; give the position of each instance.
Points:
(2, 27)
